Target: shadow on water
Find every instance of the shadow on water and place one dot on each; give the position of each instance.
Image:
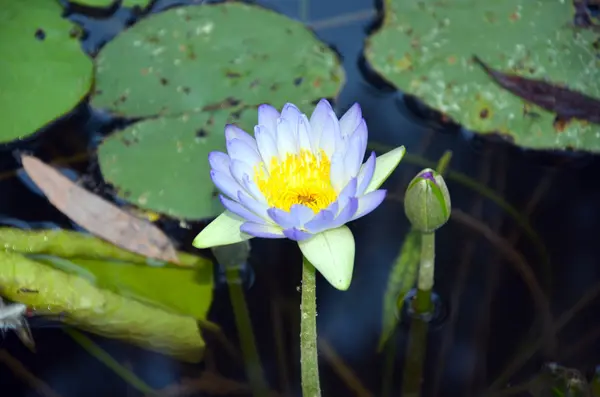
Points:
(489, 308)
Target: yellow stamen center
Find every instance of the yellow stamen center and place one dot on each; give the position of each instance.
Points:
(297, 179)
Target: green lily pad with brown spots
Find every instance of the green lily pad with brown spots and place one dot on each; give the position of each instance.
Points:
(94, 3)
(162, 164)
(427, 49)
(191, 70)
(109, 3)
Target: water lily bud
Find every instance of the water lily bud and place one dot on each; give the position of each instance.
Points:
(427, 201)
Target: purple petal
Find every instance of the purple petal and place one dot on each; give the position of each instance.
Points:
(366, 174)
(267, 116)
(266, 144)
(317, 120)
(241, 173)
(240, 210)
(239, 150)
(353, 157)
(219, 161)
(253, 190)
(296, 235)
(283, 218)
(302, 213)
(260, 230)
(369, 202)
(331, 137)
(292, 113)
(350, 120)
(348, 191)
(234, 132)
(337, 173)
(333, 208)
(320, 114)
(355, 151)
(320, 222)
(363, 132)
(239, 169)
(346, 214)
(287, 138)
(226, 184)
(304, 133)
(253, 205)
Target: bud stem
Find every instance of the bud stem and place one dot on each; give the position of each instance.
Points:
(309, 359)
(423, 304)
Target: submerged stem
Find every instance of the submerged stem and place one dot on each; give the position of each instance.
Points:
(414, 365)
(126, 374)
(309, 359)
(232, 257)
(243, 324)
(423, 304)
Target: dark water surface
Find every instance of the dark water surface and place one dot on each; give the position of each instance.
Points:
(489, 309)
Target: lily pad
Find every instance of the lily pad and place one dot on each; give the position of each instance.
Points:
(426, 50)
(45, 73)
(181, 187)
(94, 3)
(195, 69)
(133, 3)
(108, 3)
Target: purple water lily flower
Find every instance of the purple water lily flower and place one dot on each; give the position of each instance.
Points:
(301, 179)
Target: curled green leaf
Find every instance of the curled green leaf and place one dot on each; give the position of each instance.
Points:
(100, 311)
(70, 244)
(400, 282)
(107, 290)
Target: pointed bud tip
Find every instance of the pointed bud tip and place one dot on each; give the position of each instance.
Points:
(427, 202)
(428, 175)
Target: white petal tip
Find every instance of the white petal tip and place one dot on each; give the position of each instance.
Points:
(340, 284)
(397, 154)
(384, 166)
(224, 230)
(201, 242)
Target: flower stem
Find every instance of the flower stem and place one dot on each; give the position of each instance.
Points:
(309, 359)
(423, 303)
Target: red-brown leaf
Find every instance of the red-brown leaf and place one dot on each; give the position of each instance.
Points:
(565, 103)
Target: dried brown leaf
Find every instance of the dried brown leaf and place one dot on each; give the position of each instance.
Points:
(99, 216)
